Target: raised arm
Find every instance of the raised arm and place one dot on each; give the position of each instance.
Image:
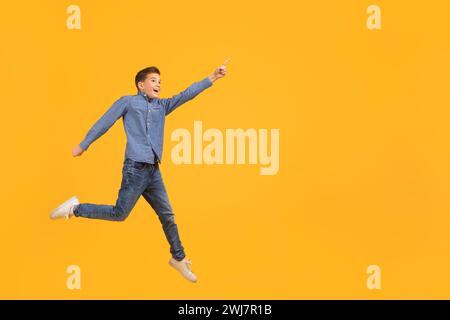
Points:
(170, 104)
(102, 125)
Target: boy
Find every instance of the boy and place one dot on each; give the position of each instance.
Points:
(143, 116)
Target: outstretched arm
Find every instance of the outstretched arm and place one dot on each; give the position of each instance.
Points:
(102, 125)
(170, 104)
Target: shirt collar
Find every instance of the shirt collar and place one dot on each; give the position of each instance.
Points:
(143, 94)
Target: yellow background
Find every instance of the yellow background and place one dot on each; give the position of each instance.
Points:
(364, 148)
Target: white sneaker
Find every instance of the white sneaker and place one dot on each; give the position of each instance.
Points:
(65, 210)
(184, 267)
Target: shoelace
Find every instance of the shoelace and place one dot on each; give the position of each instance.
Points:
(189, 264)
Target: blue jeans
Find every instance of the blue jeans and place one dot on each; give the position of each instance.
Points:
(139, 178)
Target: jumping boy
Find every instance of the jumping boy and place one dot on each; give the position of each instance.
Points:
(143, 116)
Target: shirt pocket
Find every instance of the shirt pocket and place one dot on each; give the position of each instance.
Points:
(157, 107)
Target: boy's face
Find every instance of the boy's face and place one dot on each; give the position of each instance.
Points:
(151, 86)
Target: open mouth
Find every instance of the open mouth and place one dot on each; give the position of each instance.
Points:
(155, 90)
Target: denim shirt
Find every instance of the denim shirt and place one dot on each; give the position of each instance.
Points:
(143, 120)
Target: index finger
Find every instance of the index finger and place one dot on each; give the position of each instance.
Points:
(226, 61)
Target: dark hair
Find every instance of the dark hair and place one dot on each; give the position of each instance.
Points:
(141, 75)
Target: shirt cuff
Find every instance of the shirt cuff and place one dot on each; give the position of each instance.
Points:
(207, 82)
(84, 145)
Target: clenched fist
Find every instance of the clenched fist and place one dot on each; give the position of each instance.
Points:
(220, 72)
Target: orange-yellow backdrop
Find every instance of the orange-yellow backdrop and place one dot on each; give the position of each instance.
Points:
(364, 148)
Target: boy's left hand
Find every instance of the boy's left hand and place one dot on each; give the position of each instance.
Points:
(220, 72)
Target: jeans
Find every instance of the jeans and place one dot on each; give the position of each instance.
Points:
(139, 178)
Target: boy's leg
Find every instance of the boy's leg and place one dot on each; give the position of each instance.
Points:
(135, 178)
(156, 196)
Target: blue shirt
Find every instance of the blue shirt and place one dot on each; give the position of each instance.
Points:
(143, 120)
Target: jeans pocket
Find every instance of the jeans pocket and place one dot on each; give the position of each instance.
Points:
(138, 165)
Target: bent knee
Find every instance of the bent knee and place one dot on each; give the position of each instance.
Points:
(121, 218)
(120, 215)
